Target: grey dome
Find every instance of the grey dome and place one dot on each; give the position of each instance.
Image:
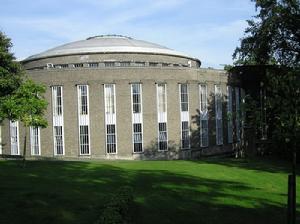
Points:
(107, 44)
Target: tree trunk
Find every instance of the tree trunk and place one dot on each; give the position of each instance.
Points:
(25, 147)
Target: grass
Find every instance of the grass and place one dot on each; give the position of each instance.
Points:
(208, 191)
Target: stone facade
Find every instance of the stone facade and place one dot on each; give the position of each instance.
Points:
(122, 77)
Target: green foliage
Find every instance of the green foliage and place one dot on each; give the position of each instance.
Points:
(117, 210)
(11, 72)
(27, 104)
(228, 67)
(284, 106)
(272, 37)
(19, 99)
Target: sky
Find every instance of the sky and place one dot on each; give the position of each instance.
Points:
(206, 29)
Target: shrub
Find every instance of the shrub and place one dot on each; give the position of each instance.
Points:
(118, 209)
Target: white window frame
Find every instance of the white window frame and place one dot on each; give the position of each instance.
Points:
(83, 146)
(229, 115)
(184, 116)
(55, 136)
(137, 118)
(83, 118)
(237, 113)
(134, 139)
(203, 115)
(35, 140)
(58, 119)
(162, 115)
(218, 114)
(110, 117)
(14, 134)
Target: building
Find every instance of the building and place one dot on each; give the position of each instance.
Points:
(116, 97)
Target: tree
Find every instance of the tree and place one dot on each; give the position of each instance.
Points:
(27, 105)
(20, 99)
(273, 38)
(11, 73)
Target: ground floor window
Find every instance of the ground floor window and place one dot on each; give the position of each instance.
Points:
(58, 140)
(14, 137)
(35, 141)
(84, 139)
(219, 131)
(162, 136)
(203, 133)
(137, 137)
(185, 135)
(111, 138)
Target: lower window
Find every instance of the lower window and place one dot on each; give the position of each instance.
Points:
(185, 135)
(111, 138)
(137, 138)
(35, 140)
(162, 136)
(84, 140)
(203, 133)
(58, 140)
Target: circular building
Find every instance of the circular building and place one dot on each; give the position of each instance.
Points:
(115, 97)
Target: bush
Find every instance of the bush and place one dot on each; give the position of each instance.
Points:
(118, 209)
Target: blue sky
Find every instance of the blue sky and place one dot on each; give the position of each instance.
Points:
(207, 29)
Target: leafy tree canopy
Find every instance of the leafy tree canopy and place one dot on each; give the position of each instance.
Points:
(273, 36)
(20, 99)
(10, 70)
(27, 104)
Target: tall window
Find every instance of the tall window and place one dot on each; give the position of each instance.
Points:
(162, 116)
(137, 117)
(184, 116)
(137, 137)
(162, 98)
(109, 98)
(57, 100)
(35, 141)
(83, 101)
(84, 139)
(162, 136)
(136, 98)
(203, 115)
(14, 137)
(218, 111)
(237, 113)
(184, 97)
(110, 118)
(58, 120)
(111, 138)
(185, 135)
(229, 115)
(83, 119)
(58, 140)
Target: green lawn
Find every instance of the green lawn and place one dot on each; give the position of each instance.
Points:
(209, 191)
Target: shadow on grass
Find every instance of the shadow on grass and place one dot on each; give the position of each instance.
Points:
(267, 163)
(75, 192)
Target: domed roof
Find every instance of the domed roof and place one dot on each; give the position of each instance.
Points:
(107, 44)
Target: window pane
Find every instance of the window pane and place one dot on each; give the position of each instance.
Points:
(109, 98)
(161, 98)
(58, 140)
(84, 139)
(137, 127)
